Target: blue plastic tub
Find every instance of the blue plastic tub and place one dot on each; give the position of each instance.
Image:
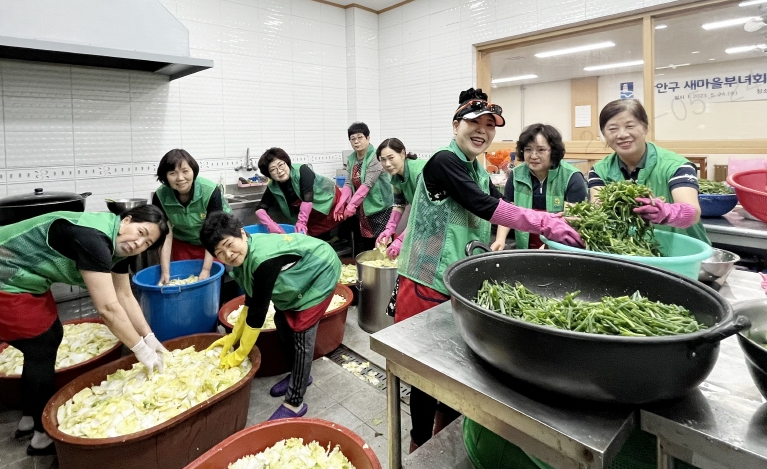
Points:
(175, 311)
(681, 254)
(716, 205)
(253, 229)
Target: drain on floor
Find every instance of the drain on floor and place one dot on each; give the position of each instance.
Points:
(366, 371)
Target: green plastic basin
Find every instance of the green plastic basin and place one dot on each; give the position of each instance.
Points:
(681, 254)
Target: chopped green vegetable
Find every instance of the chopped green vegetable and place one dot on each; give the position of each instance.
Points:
(627, 316)
(292, 453)
(611, 225)
(712, 187)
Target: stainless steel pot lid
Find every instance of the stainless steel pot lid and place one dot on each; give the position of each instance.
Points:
(41, 197)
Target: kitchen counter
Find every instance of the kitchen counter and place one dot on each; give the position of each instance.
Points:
(736, 230)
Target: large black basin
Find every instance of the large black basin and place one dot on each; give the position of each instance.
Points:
(632, 370)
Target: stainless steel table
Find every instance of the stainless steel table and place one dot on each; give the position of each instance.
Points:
(428, 352)
(736, 230)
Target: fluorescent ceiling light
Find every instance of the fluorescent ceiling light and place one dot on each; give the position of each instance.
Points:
(615, 65)
(672, 66)
(573, 50)
(520, 77)
(664, 26)
(738, 50)
(751, 2)
(727, 23)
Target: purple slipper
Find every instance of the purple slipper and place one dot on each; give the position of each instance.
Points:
(283, 412)
(281, 388)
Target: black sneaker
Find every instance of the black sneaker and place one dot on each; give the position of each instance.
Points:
(49, 450)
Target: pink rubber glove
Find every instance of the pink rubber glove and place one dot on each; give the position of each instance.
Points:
(392, 252)
(678, 215)
(764, 282)
(550, 225)
(267, 221)
(338, 212)
(303, 217)
(391, 228)
(351, 207)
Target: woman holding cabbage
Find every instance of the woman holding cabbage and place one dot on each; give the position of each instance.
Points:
(86, 249)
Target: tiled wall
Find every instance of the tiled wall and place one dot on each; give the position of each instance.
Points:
(289, 73)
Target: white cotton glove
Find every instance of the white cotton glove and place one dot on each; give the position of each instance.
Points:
(148, 357)
(153, 343)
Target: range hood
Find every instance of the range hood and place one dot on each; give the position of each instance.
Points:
(125, 34)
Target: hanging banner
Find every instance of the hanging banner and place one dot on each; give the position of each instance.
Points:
(714, 88)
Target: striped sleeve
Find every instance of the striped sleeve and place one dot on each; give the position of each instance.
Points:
(685, 176)
(595, 180)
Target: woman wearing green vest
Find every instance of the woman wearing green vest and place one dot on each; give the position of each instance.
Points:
(542, 182)
(304, 197)
(454, 203)
(86, 249)
(298, 274)
(367, 192)
(404, 169)
(672, 178)
(186, 200)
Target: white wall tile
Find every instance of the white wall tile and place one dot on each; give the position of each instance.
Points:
(37, 114)
(415, 30)
(516, 25)
(100, 84)
(276, 71)
(598, 8)
(332, 14)
(241, 41)
(307, 52)
(509, 8)
(202, 90)
(31, 80)
(275, 23)
(416, 52)
(146, 86)
(281, 6)
(241, 93)
(333, 55)
(150, 146)
(237, 15)
(445, 21)
(201, 11)
(307, 75)
(277, 47)
(390, 37)
(100, 116)
(34, 149)
(365, 18)
(204, 35)
(391, 18)
(332, 34)
(367, 59)
(213, 72)
(40, 179)
(333, 79)
(365, 37)
(439, 5)
(416, 9)
(570, 12)
(240, 67)
(202, 130)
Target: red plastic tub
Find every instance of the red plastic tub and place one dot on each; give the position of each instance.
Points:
(170, 445)
(330, 334)
(255, 439)
(10, 385)
(751, 189)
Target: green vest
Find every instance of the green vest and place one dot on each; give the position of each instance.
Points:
(380, 196)
(660, 166)
(324, 193)
(556, 186)
(187, 221)
(30, 265)
(303, 285)
(438, 230)
(406, 184)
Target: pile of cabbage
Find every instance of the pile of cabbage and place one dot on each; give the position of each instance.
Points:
(182, 281)
(348, 274)
(231, 318)
(293, 453)
(386, 262)
(81, 342)
(129, 401)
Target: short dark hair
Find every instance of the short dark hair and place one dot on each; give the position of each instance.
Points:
(552, 136)
(270, 155)
(614, 108)
(170, 162)
(396, 145)
(149, 214)
(217, 226)
(359, 128)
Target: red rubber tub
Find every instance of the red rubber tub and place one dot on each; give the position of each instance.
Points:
(330, 334)
(10, 385)
(255, 439)
(170, 445)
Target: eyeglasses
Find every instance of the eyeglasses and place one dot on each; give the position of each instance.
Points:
(479, 105)
(537, 151)
(278, 167)
(356, 139)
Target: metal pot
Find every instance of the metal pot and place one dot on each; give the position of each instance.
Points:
(632, 370)
(21, 207)
(375, 285)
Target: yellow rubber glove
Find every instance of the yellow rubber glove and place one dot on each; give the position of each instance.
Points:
(230, 339)
(247, 341)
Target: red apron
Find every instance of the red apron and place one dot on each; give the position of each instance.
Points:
(24, 315)
(183, 251)
(319, 222)
(303, 320)
(414, 298)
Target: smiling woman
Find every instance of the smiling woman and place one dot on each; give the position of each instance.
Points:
(84, 249)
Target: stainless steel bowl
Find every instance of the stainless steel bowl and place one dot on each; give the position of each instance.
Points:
(715, 270)
(754, 340)
(118, 206)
